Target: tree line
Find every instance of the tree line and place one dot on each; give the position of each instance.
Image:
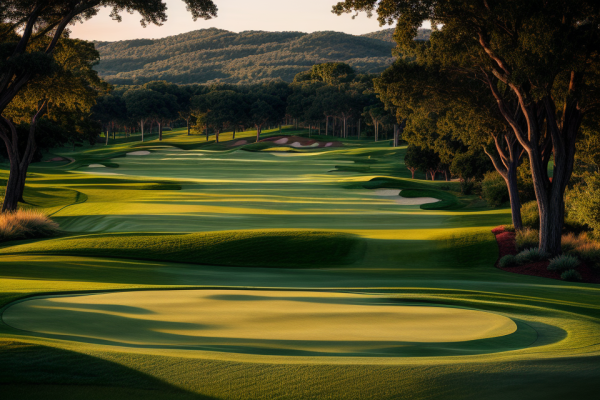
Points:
(329, 98)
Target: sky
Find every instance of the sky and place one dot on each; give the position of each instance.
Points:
(233, 15)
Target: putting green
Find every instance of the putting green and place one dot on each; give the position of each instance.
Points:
(285, 320)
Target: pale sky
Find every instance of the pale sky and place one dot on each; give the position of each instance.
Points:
(234, 15)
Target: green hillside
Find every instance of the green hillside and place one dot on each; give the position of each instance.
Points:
(387, 35)
(214, 55)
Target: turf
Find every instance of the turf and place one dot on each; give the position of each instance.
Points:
(335, 237)
(283, 249)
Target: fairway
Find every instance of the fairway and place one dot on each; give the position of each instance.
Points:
(191, 270)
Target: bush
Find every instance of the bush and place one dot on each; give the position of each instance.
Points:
(508, 261)
(494, 190)
(527, 238)
(531, 255)
(584, 202)
(26, 224)
(584, 248)
(563, 263)
(571, 275)
(530, 215)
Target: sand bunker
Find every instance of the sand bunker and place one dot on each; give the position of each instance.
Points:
(96, 166)
(238, 143)
(197, 317)
(139, 153)
(415, 201)
(282, 141)
(299, 145)
(396, 195)
(386, 192)
(57, 159)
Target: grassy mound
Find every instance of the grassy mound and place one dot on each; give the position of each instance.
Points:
(26, 224)
(284, 249)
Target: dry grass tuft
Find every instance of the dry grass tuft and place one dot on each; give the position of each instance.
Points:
(527, 238)
(583, 247)
(26, 224)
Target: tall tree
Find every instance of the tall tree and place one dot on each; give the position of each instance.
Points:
(30, 31)
(543, 53)
(72, 87)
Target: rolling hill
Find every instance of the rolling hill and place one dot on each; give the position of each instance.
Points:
(215, 55)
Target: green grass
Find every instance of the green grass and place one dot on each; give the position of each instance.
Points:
(283, 249)
(215, 206)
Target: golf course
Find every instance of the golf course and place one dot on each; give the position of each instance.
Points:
(187, 269)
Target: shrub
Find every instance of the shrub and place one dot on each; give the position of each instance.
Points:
(584, 202)
(530, 215)
(563, 263)
(26, 224)
(508, 261)
(494, 190)
(531, 255)
(584, 248)
(527, 238)
(571, 275)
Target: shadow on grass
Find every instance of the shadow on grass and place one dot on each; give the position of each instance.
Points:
(29, 371)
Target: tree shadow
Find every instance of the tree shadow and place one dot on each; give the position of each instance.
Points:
(35, 371)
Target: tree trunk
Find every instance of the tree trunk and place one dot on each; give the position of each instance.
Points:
(142, 125)
(358, 134)
(217, 131)
(187, 120)
(107, 134)
(412, 172)
(326, 126)
(207, 133)
(233, 134)
(280, 128)
(19, 164)
(160, 131)
(515, 201)
(258, 131)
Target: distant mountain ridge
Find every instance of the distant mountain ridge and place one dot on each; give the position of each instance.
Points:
(388, 35)
(216, 55)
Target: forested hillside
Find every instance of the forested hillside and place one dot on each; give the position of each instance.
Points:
(388, 35)
(214, 55)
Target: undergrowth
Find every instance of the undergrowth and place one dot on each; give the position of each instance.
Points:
(26, 224)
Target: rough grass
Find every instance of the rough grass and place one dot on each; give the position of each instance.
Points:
(26, 224)
(287, 249)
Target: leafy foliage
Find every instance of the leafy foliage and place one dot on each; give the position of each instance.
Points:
(571, 276)
(531, 255)
(494, 190)
(563, 262)
(508, 261)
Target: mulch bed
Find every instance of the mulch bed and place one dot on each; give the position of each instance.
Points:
(507, 246)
